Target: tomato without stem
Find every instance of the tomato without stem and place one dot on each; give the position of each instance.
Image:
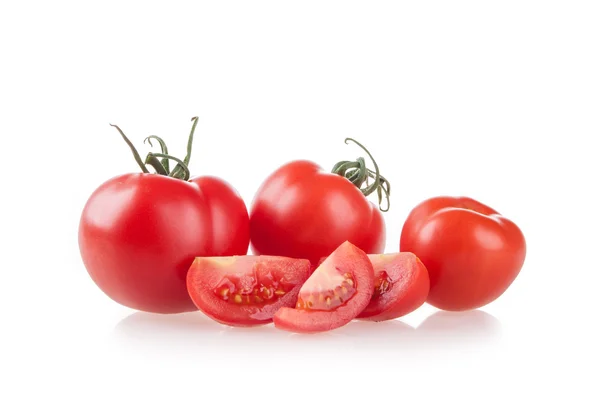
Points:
(140, 232)
(401, 286)
(245, 290)
(302, 211)
(337, 291)
(472, 253)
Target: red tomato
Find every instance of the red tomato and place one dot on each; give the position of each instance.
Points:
(401, 286)
(304, 212)
(140, 232)
(245, 290)
(337, 291)
(472, 253)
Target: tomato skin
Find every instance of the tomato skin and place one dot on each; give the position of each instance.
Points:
(348, 258)
(206, 273)
(302, 211)
(472, 253)
(139, 233)
(409, 281)
(229, 216)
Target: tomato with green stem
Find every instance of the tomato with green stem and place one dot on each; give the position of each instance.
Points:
(302, 211)
(140, 232)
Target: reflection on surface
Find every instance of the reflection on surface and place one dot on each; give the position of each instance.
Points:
(185, 333)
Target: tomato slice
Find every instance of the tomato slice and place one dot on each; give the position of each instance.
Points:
(336, 292)
(245, 290)
(401, 286)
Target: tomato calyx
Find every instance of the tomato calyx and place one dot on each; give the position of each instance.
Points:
(358, 174)
(181, 170)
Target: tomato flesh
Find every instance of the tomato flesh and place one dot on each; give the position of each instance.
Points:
(245, 290)
(401, 286)
(326, 289)
(337, 291)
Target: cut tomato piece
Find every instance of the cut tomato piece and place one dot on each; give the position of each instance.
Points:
(245, 290)
(401, 286)
(336, 292)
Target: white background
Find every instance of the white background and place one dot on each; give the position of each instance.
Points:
(499, 101)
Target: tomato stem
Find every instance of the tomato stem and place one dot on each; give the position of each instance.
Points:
(358, 173)
(163, 150)
(185, 172)
(177, 171)
(136, 155)
(156, 164)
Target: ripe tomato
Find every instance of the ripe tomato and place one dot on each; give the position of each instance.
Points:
(245, 290)
(304, 212)
(337, 291)
(140, 232)
(401, 286)
(472, 253)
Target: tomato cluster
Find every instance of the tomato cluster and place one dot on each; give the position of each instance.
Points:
(166, 242)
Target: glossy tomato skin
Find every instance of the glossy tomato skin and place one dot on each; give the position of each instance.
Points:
(472, 253)
(346, 259)
(256, 279)
(139, 233)
(303, 211)
(406, 287)
(230, 225)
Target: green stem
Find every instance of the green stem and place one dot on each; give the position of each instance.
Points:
(357, 173)
(186, 161)
(184, 168)
(136, 155)
(156, 164)
(163, 150)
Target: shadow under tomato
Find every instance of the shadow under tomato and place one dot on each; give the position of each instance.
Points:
(194, 334)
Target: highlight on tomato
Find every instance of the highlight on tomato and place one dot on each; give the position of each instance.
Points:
(472, 253)
(245, 290)
(401, 286)
(336, 292)
(302, 211)
(140, 232)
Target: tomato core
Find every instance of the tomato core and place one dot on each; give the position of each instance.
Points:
(326, 289)
(383, 284)
(252, 288)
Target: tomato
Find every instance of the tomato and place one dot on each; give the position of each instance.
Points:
(472, 253)
(302, 211)
(245, 290)
(140, 232)
(401, 286)
(337, 291)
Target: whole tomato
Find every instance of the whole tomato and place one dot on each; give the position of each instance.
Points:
(303, 211)
(472, 253)
(140, 232)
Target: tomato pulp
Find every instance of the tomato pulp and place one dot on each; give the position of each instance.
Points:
(245, 290)
(302, 211)
(337, 291)
(401, 286)
(472, 253)
(140, 232)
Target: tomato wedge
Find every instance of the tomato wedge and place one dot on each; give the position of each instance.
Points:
(337, 291)
(401, 286)
(245, 290)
